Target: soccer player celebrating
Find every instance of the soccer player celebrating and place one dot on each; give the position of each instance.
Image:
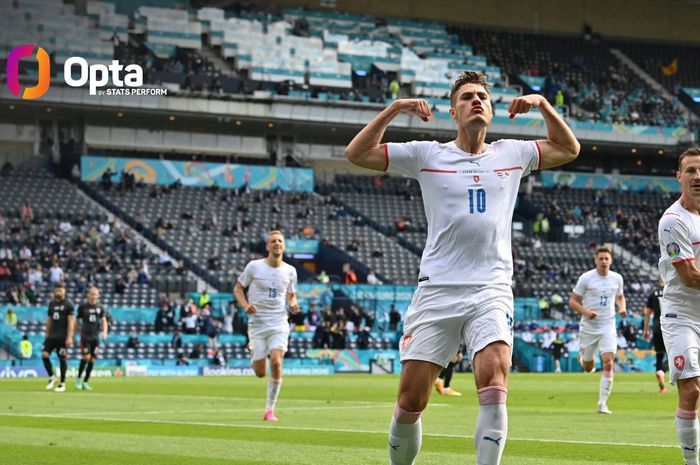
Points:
(594, 297)
(59, 335)
(653, 307)
(464, 291)
(90, 315)
(270, 282)
(679, 242)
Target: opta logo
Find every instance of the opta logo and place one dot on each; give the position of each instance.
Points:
(12, 69)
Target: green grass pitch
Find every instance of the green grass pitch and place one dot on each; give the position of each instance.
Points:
(326, 420)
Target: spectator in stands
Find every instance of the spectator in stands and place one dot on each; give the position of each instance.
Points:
(5, 275)
(56, 274)
(394, 88)
(176, 341)
(144, 276)
(394, 318)
(27, 214)
(5, 253)
(107, 179)
(197, 351)
(133, 341)
(372, 278)
(323, 277)
(132, 276)
(11, 318)
(229, 311)
(349, 276)
(204, 299)
(120, 285)
(190, 320)
(25, 253)
(219, 358)
(182, 360)
(206, 322)
(313, 318)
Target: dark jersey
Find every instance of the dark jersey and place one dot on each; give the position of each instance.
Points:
(59, 310)
(654, 302)
(90, 317)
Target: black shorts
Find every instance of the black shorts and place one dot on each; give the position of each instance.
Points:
(89, 346)
(658, 341)
(56, 343)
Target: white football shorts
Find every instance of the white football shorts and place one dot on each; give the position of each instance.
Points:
(439, 318)
(682, 339)
(593, 344)
(266, 338)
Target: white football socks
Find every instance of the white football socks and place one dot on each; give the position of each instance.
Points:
(405, 436)
(606, 384)
(687, 429)
(491, 425)
(273, 392)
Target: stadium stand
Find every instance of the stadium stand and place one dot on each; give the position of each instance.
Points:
(56, 225)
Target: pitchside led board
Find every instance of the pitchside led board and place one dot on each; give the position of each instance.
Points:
(198, 174)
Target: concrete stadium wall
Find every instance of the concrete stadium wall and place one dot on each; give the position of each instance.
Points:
(665, 20)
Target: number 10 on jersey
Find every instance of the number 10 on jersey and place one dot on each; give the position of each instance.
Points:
(477, 200)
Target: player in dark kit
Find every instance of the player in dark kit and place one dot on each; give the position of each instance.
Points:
(59, 335)
(90, 315)
(653, 306)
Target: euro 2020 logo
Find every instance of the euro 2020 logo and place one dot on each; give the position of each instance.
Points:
(13, 72)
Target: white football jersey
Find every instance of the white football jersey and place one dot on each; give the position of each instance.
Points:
(469, 201)
(679, 240)
(267, 290)
(599, 294)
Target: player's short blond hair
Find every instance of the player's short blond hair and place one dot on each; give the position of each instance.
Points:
(469, 77)
(273, 232)
(691, 152)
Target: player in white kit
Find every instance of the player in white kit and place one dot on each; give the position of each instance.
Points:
(271, 284)
(679, 243)
(594, 297)
(469, 191)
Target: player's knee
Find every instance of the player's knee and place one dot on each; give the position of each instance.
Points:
(407, 416)
(276, 366)
(415, 404)
(691, 393)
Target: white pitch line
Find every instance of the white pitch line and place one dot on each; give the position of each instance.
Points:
(188, 397)
(333, 430)
(242, 410)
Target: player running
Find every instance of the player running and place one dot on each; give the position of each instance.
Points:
(90, 315)
(679, 243)
(594, 297)
(271, 284)
(59, 335)
(464, 294)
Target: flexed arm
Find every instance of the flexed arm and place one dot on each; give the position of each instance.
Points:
(561, 145)
(366, 149)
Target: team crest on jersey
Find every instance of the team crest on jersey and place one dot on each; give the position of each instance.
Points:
(405, 342)
(679, 362)
(476, 178)
(673, 249)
